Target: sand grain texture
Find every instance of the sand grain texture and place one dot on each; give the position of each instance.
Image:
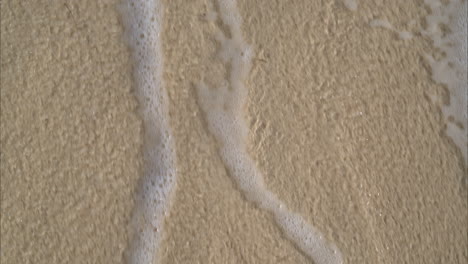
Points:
(69, 133)
(340, 118)
(341, 126)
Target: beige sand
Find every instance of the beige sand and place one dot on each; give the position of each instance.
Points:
(386, 185)
(69, 133)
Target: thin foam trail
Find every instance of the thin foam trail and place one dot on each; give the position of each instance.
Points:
(405, 35)
(142, 20)
(223, 111)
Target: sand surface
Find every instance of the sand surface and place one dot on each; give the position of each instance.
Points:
(69, 133)
(341, 125)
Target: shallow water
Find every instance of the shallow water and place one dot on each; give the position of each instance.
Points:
(230, 131)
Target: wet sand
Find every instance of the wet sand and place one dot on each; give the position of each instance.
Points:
(341, 126)
(70, 136)
(356, 131)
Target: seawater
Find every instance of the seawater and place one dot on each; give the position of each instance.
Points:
(223, 106)
(451, 70)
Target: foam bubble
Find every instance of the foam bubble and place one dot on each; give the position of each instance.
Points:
(142, 20)
(351, 4)
(223, 110)
(451, 70)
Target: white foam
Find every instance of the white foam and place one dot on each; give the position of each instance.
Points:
(385, 24)
(451, 70)
(351, 4)
(142, 20)
(381, 23)
(223, 107)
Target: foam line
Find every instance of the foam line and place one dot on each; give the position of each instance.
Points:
(142, 20)
(223, 108)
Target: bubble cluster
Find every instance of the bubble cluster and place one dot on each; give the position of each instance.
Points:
(142, 20)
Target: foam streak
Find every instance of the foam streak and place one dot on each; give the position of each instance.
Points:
(223, 110)
(142, 21)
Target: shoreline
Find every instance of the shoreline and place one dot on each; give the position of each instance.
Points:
(344, 121)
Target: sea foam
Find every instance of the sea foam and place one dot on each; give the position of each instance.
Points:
(223, 108)
(142, 20)
(451, 70)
